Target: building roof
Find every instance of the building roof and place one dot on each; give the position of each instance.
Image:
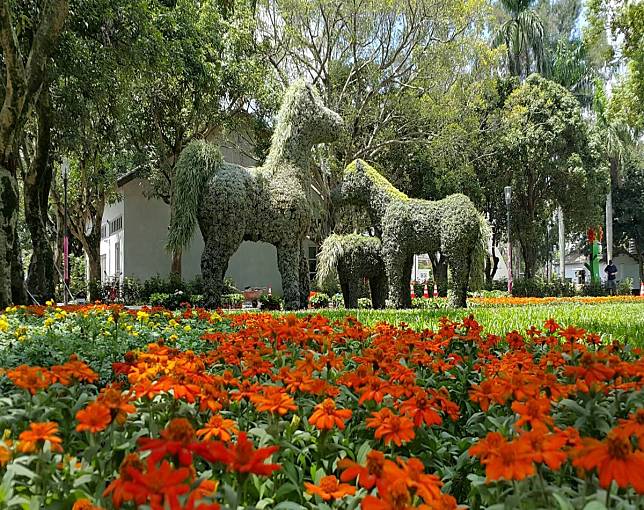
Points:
(125, 178)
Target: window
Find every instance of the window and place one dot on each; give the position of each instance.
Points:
(103, 230)
(116, 224)
(117, 258)
(103, 267)
(312, 261)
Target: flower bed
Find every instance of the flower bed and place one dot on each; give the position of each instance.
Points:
(264, 411)
(520, 301)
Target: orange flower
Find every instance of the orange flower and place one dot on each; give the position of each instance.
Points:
(326, 416)
(391, 427)
(546, 448)
(117, 487)
(242, 457)
(38, 433)
(367, 475)
(218, 427)
(85, 504)
(177, 439)
(394, 496)
(502, 459)
(633, 426)
(534, 412)
(30, 378)
(117, 402)
(274, 400)
(330, 488)
(5, 454)
(94, 418)
(614, 460)
(421, 410)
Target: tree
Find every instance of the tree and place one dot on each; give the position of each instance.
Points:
(522, 34)
(379, 63)
(202, 73)
(25, 58)
(549, 158)
(628, 207)
(630, 23)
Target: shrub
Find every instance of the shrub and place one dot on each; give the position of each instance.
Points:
(232, 300)
(337, 301)
(270, 302)
(593, 289)
(625, 287)
(131, 291)
(319, 300)
(364, 303)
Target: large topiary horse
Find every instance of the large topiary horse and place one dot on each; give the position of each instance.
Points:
(354, 257)
(451, 226)
(270, 203)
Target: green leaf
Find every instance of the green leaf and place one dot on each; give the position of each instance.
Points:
(595, 505)
(563, 503)
(288, 505)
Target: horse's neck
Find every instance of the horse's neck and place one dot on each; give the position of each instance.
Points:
(379, 201)
(291, 155)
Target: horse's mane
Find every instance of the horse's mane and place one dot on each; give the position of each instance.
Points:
(284, 124)
(378, 180)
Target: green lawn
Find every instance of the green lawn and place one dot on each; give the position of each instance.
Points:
(623, 321)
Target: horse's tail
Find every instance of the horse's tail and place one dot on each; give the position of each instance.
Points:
(331, 251)
(196, 164)
(479, 253)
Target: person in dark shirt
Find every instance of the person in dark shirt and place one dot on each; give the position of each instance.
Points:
(611, 271)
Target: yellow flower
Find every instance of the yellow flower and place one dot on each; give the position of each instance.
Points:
(4, 324)
(50, 302)
(142, 316)
(173, 337)
(48, 322)
(173, 323)
(187, 328)
(215, 317)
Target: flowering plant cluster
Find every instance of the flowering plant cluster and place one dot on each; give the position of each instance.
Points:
(274, 411)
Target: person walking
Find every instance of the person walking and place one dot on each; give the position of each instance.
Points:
(611, 283)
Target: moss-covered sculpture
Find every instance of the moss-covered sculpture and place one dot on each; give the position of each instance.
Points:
(354, 257)
(270, 203)
(407, 226)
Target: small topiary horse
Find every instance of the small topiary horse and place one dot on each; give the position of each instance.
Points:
(270, 203)
(354, 257)
(451, 226)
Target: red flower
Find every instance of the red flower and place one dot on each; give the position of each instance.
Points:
(177, 439)
(241, 457)
(159, 485)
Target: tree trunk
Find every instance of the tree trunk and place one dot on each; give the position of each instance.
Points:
(562, 244)
(37, 183)
(12, 287)
(609, 226)
(94, 262)
(175, 268)
(491, 263)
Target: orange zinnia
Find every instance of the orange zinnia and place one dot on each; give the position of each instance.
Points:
(503, 459)
(633, 426)
(330, 488)
(218, 427)
(391, 427)
(420, 408)
(85, 504)
(367, 475)
(394, 496)
(5, 455)
(274, 400)
(30, 378)
(38, 433)
(94, 418)
(534, 412)
(326, 415)
(242, 457)
(614, 459)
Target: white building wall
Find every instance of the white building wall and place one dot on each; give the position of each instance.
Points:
(108, 244)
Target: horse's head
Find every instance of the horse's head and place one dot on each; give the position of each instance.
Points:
(308, 116)
(355, 186)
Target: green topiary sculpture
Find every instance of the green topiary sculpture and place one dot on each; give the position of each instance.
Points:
(451, 226)
(354, 257)
(270, 203)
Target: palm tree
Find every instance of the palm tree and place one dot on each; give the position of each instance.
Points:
(523, 36)
(570, 67)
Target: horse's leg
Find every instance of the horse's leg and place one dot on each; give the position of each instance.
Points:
(395, 269)
(406, 281)
(214, 263)
(288, 263)
(378, 286)
(305, 279)
(460, 268)
(349, 285)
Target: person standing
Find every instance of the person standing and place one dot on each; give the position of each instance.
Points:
(611, 284)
